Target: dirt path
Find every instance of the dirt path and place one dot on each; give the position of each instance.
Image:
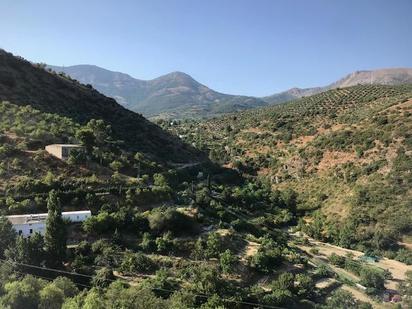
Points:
(181, 166)
(251, 248)
(406, 245)
(363, 297)
(397, 269)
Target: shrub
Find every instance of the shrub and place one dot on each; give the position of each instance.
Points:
(133, 263)
(168, 219)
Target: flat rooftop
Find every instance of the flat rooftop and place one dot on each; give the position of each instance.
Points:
(37, 218)
(66, 145)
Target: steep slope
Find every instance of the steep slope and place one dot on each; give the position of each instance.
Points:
(291, 94)
(347, 151)
(23, 83)
(174, 95)
(391, 76)
(122, 87)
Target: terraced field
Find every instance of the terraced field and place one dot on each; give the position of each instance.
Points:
(347, 152)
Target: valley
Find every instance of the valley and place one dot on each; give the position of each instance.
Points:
(206, 213)
(205, 154)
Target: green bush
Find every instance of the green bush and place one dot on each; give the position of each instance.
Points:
(169, 219)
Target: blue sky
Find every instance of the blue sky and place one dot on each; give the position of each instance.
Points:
(253, 47)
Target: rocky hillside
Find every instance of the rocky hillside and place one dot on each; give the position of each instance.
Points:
(392, 76)
(23, 83)
(175, 95)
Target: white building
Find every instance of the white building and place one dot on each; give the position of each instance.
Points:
(62, 151)
(27, 225)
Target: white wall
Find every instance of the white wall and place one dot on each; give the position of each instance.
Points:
(29, 229)
(76, 217)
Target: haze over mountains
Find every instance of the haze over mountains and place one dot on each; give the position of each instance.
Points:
(174, 95)
(178, 95)
(390, 76)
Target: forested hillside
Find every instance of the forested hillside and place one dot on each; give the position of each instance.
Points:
(160, 236)
(23, 83)
(170, 228)
(348, 153)
(195, 236)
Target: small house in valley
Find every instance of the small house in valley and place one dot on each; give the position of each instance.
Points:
(62, 151)
(27, 225)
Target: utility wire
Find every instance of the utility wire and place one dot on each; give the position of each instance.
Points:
(48, 278)
(152, 288)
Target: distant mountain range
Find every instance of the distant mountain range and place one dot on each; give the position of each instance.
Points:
(391, 76)
(178, 95)
(174, 95)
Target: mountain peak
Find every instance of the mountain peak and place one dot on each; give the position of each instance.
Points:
(387, 76)
(173, 95)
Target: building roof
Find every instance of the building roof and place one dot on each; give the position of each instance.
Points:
(37, 218)
(66, 145)
(77, 212)
(26, 219)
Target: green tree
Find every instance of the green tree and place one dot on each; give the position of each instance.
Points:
(22, 294)
(214, 302)
(373, 279)
(341, 299)
(51, 297)
(227, 261)
(76, 157)
(94, 300)
(103, 277)
(213, 245)
(165, 243)
(133, 263)
(55, 237)
(27, 250)
(406, 289)
(164, 219)
(67, 286)
(100, 130)
(198, 251)
(266, 259)
(119, 296)
(205, 279)
(160, 180)
(182, 299)
(147, 244)
(285, 281)
(7, 235)
(305, 285)
(116, 165)
(86, 138)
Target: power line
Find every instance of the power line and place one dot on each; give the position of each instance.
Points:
(152, 288)
(235, 213)
(47, 278)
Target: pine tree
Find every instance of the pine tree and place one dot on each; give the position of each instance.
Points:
(55, 237)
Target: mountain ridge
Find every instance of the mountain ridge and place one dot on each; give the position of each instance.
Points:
(179, 95)
(175, 94)
(385, 76)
